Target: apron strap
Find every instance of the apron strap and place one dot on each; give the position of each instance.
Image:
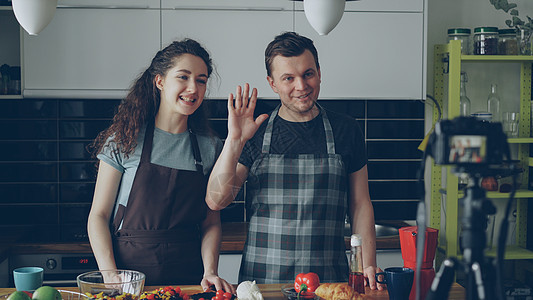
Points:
(330, 140)
(268, 131)
(148, 140)
(196, 152)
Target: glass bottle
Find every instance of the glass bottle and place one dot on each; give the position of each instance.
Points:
(464, 102)
(493, 103)
(357, 278)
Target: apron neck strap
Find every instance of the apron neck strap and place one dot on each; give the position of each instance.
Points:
(196, 152)
(330, 141)
(148, 140)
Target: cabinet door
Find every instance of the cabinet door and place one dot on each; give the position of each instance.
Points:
(229, 4)
(371, 55)
(380, 5)
(236, 41)
(132, 4)
(90, 52)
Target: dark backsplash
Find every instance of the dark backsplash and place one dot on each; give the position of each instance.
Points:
(47, 176)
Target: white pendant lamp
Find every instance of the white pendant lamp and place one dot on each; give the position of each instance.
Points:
(324, 15)
(34, 15)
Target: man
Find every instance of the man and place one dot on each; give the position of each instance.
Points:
(306, 169)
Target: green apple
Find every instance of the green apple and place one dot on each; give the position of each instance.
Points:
(46, 293)
(19, 295)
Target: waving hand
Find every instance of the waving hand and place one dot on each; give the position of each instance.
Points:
(241, 123)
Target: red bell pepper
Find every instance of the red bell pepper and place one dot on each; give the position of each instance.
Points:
(306, 282)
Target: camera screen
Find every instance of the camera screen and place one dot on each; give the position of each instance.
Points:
(468, 149)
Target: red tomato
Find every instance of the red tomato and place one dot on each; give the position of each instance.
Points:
(227, 296)
(220, 293)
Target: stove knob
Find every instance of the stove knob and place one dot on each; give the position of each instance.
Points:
(51, 263)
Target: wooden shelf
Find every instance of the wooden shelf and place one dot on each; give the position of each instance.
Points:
(512, 252)
(447, 69)
(520, 140)
(496, 58)
(497, 195)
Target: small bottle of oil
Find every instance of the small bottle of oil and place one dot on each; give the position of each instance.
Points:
(357, 277)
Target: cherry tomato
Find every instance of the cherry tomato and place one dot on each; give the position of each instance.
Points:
(227, 296)
(220, 293)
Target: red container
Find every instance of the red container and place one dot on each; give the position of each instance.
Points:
(408, 237)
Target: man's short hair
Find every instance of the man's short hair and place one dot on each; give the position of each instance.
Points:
(289, 44)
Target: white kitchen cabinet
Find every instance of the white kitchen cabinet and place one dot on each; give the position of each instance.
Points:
(90, 52)
(236, 41)
(377, 55)
(379, 5)
(105, 4)
(228, 4)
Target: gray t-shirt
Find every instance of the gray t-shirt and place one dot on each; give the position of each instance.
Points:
(168, 150)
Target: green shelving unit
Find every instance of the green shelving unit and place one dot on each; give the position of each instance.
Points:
(447, 63)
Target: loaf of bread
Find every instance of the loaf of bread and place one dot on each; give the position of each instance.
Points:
(337, 291)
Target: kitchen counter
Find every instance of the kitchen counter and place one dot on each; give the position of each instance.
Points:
(273, 291)
(233, 238)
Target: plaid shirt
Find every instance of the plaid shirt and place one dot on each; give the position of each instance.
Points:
(298, 206)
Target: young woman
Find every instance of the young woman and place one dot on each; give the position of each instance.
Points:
(149, 212)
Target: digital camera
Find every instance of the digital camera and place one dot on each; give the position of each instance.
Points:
(466, 141)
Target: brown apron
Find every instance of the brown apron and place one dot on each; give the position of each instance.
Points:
(158, 232)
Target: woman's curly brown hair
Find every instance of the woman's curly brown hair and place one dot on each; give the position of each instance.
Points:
(142, 102)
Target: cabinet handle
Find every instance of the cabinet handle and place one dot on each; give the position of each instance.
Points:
(229, 8)
(104, 6)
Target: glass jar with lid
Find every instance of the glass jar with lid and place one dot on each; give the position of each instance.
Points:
(507, 42)
(463, 35)
(486, 40)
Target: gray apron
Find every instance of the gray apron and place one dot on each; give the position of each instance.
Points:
(298, 206)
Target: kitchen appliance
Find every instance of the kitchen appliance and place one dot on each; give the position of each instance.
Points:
(59, 269)
(408, 245)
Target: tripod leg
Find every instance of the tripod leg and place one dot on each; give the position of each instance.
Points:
(476, 269)
(440, 287)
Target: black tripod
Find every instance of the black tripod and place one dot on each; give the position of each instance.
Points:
(480, 271)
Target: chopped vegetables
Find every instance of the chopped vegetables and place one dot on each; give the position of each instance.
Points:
(102, 295)
(166, 293)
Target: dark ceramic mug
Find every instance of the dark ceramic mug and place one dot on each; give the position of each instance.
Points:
(398, 280)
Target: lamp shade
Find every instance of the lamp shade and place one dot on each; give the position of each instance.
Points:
(34, 15)
(324, 15)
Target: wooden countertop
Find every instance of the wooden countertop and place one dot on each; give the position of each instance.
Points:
(273, 291)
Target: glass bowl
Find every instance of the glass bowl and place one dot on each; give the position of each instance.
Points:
(112, 283)
(65, 295)
(290, 293)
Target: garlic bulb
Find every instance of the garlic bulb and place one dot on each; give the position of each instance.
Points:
(248, 290)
